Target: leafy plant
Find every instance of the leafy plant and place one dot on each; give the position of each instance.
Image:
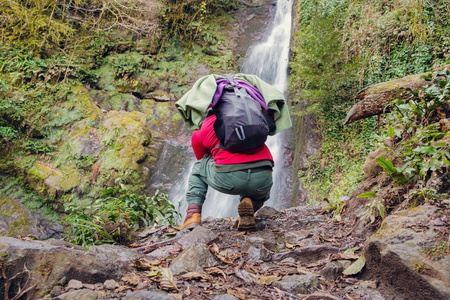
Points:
(421, 150)
(38, 147)
(117, 216)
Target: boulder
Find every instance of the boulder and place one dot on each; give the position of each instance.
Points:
(194, 258)
(406, 256)
(48, 264)
(17, 220)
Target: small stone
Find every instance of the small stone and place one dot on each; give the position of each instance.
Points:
(89, 286)
(141, 286)
(148, 295)
(254, 254)
(99, 286)
(110, 284)
(298, 284)
(62, 281)
(267, 212)
(56, 291)
(74, 285)
(332, 270)
(225, 297)
(288, 260)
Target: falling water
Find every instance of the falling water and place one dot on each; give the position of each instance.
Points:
(269, 61)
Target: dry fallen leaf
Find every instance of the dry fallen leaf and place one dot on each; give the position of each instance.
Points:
(177, 296)
(215, 270)
(195, 275)
(266, 280)
(146, 264)
(226, 256)
(356, 267)
(131, 278)
(167, 280)
(236, 294)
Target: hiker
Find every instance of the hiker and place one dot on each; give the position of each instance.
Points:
(245, 170)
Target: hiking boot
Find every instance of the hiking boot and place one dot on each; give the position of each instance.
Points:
(193, 221)
(246, 217)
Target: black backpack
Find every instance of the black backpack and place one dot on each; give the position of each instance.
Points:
(242, 125)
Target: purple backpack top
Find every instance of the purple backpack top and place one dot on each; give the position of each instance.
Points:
(243, 122)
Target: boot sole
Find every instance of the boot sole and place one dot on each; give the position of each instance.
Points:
(246, 216)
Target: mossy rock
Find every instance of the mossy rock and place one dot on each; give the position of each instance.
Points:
(55, 180)
(83, 101)
(15, 218)
(125, 136)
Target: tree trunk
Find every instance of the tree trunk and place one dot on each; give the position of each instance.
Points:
(375, 99)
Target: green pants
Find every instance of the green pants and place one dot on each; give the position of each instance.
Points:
(244, 183)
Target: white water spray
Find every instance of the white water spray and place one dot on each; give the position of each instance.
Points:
(268, 60)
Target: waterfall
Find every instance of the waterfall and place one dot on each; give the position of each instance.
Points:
(268, 60)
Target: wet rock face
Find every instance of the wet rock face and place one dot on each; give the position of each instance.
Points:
(405, 253)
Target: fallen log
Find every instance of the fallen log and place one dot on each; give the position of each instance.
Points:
(375, 99)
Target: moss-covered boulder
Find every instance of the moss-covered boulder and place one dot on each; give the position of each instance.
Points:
(17, 220)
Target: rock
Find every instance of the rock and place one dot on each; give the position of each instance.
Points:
(288, 260)
(332, 270)
(396, 255)
(49, 264)
(63, 281)
(199, 235)
(78, 295)
(110, 284)
(267, 212)
(308, 254)
(56, 291)
(194, 258)
(148, 295)
(225, 297)
(141, 286)
(160, 95)
(99, 286)
(16, 219)
(254, 254)
(74, 285)
(365, 290)
(298, 284)
(371, 168)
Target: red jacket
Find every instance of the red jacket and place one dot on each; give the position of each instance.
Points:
(205, 139)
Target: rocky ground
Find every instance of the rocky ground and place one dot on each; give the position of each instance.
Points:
(297, 253)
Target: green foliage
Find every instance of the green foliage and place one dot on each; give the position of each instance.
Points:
(341, 46)
(116, 216)
(43, 26)
(185, 20)
(421, 150)
(38, 147)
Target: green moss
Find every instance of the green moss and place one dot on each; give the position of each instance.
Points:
(21, 223)
(83, 101)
